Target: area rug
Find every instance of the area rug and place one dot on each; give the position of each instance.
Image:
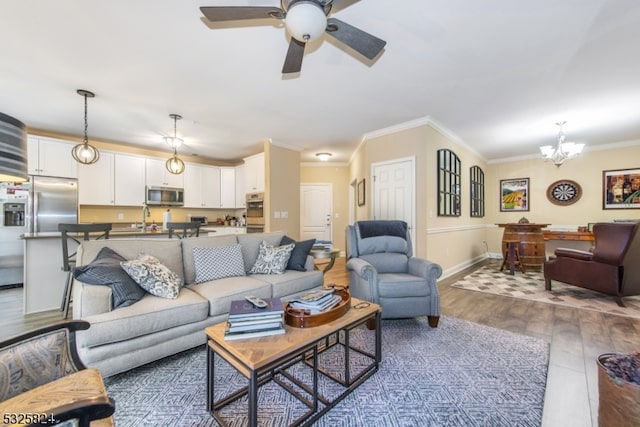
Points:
(459, 374)
(530, 286)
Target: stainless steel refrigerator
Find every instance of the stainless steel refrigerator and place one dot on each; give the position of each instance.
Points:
(52, 201)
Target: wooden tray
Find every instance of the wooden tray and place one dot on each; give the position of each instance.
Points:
(298, 319)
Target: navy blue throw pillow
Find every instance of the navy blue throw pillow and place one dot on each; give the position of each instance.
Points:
(106, 270)
(298, 257)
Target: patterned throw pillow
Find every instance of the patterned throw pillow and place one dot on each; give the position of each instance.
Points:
(105, 270)
(272, 259)
(153, 276)
(218, 263)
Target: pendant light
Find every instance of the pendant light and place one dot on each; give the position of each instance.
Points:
(175, 165)
(13, 149)
(85, 153)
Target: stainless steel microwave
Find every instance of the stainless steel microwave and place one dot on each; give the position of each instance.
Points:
(165, 196)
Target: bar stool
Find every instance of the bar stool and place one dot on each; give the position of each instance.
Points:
(511, 255)
(189, 229)
(69, 260)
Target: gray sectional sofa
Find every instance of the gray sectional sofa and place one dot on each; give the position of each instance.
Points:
(152, 328)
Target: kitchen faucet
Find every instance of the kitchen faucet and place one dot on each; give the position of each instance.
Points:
(145, 214)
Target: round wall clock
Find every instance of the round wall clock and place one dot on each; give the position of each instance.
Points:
(564, 192)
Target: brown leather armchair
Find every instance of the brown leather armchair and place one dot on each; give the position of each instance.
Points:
(612, 267)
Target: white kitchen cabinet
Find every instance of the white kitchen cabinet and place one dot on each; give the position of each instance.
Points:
(114, 180)
(157, 175)
(129, 180)
(201, 186)
(254, 173)
(241, 193)
(95, 182)
(228, 188)
(51, 157)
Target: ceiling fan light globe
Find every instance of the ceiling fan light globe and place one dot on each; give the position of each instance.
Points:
(305, 21)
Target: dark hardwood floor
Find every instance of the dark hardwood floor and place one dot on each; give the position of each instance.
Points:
(577, 337)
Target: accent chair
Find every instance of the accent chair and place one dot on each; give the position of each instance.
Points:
(383, 270)
(611, 267)
(43, 381)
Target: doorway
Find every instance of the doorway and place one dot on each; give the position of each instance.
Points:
(393, 192)
(316, 211)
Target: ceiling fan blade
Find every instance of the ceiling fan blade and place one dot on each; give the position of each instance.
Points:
(239, 13)
(366, 44)
(293, 61)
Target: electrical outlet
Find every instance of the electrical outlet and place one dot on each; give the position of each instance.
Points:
(284, 214)
(120, 215)
(276, 214)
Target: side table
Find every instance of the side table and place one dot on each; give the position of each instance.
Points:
(325, 254)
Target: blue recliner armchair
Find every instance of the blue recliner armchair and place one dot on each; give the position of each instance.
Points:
(383, 270)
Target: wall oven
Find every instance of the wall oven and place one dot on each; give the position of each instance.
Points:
(255, 212)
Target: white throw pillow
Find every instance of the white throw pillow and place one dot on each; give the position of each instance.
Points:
(272, 259)
(218, 262)
(153, 276)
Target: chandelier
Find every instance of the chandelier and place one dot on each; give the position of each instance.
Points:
(85, 153)
(564, 151)
(174, 165)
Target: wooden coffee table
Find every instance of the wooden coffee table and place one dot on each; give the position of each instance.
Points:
(265, 359)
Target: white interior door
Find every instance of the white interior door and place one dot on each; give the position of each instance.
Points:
(316, 211)
(393, 191)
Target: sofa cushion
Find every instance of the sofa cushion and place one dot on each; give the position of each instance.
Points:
(218, 263)
(201, 242)
(221, 292)
(251, 245)
(271, 259)
(153, 276)
(388, 262)
(105, 269)
(149, 315)
(291, 282)
(398, 285)
(299, 254)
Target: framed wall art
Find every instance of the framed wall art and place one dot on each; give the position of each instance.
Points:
(514, 195)
(361, 199)
(621, 189)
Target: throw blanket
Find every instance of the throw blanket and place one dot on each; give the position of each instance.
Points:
(382, 228)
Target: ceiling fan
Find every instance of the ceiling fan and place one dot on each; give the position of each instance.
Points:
(305, 20)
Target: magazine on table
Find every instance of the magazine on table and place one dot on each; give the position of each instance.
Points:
(244, 309)
(318, 306)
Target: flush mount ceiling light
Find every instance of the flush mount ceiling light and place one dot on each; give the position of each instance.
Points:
(175, 165)
(85, 153)
(323, 156)
(174, 141)
(564, 151)
(13, 149)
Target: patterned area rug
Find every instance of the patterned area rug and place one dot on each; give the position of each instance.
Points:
(530, 286)
(459, 374)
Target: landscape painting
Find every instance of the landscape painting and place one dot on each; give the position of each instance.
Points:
(514, 195)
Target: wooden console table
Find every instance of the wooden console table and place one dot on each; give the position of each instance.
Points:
(586, 236)
(531, 247)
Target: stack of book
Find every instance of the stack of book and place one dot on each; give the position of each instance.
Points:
(324, 245)
(247, 321)
(316, 302)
